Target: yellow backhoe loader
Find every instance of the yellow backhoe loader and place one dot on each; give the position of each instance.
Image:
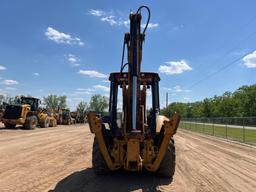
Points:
(137, 140)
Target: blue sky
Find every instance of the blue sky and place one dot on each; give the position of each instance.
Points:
(70, 47)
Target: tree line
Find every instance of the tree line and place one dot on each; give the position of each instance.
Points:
(240, 103)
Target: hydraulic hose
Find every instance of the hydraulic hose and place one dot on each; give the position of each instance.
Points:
(146, 26)
(147, 8)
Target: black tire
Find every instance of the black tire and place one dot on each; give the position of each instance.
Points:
(98, 162)
(45, 123)
(167, 166)
(31, 122)
(9, 126)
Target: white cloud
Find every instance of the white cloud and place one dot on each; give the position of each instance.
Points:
(2, 68)
(89, 91)
(187, 98)
(174, 67)
(101, 88)
(126, 23)
(149, 92)
(3, 93)
(82, 93)
(177, 89)
(110, 20)
(10, 82)
(74, 98)
(150, 25)
(73, 101)
(84, 89)
(92, 73)
(36, 74)
(72, 59)
(96, 12)
(60, 37)
(105, 81)
(10, 88)
(250, 60)
(114, 20)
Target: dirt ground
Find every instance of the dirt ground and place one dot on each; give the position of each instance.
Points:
(59, 159)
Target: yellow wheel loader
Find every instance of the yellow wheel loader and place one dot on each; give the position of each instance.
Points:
(58, 116)
(27, 113)
(66, 117)
(134, 138)
(75, 116)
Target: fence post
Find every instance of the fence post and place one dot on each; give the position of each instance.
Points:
(212, 127)
(203, 126)
(243, 131)
(190, 124)
(196, 125)
(226, 130)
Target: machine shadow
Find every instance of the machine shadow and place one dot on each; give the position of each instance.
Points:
(13, 129)
(121, 181)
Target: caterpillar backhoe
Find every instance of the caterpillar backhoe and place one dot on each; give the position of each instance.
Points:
(139, 139)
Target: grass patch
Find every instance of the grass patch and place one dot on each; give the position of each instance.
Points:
(238, 134)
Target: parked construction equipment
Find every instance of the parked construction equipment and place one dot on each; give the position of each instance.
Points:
(137, 140)
(79, 118)
(75, 115)
(27, 113)
(66, 117)
(58, 116)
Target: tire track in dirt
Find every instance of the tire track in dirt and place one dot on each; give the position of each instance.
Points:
(59, 159)
(40, 160)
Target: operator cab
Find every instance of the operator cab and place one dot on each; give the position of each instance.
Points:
(33, 102)
(149, 81)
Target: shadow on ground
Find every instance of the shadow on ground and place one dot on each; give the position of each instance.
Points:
(121, 181)
(19, 127)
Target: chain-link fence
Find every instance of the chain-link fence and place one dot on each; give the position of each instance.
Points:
(241, 129)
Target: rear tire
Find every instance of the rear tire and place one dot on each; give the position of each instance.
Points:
(31, 122)
(98, 162)
(9, 126)
(167, 166)
(45, 123)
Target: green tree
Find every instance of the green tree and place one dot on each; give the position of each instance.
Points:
(245, 97)
(238, 104)
(195, 109)
(82, 108)
(62, 102)
(98, 103)
(207, 112)
(180, 108)
(55, 102)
